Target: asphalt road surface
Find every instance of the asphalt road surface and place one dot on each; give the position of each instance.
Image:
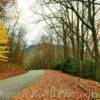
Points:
(12, 86)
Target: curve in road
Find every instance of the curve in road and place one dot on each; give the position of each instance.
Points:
(11, 86)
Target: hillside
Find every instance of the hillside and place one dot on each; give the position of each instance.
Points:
(8, 70)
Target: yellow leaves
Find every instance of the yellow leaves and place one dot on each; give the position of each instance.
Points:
(2, 52)
(2, 29)
(3, 42)
(3, 33)
(2, 48)
(3, 58)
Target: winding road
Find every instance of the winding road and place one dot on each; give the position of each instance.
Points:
(11, 86)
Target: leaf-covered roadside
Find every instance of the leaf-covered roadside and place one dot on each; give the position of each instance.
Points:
(54, 85)
(9, 70)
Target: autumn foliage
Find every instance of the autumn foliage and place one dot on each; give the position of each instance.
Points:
(3, 42)
(54, 85)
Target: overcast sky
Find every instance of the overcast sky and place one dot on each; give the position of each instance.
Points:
(27, 17)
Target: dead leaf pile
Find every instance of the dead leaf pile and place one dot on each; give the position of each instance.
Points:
(55, 85)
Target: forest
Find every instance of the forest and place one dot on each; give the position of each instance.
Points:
(69, 40)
